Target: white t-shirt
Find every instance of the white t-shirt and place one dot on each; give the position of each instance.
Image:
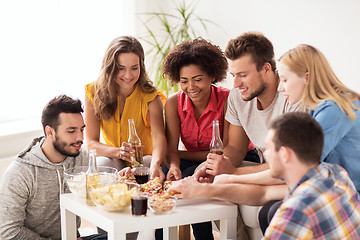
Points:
(255, 122)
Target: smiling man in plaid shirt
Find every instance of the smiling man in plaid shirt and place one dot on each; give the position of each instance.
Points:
(322, 202)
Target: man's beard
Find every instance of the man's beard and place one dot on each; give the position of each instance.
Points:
(257, 92)
(60, 147)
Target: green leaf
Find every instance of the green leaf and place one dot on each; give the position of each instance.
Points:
(176, 28)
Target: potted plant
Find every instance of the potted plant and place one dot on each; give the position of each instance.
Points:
(174, 29)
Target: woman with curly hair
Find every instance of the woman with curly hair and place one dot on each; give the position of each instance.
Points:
(197, 65)
(124, 91)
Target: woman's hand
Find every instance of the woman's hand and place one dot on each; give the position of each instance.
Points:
(127, 172)
(174, 173)
(126, 152)
(156, 171)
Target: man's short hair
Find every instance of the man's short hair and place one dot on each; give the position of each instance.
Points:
(256, 44)
(301, 133)
(57, 105)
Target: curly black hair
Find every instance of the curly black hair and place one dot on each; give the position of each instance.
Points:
(209, 57)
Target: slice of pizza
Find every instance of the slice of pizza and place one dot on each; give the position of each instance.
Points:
(157, 187)
(152, 187)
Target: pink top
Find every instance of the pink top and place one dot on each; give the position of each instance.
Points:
(196, 135)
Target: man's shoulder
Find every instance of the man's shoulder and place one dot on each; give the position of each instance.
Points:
(18, 167)
(336, 179)
(326, 181)
(301, 198)
(17, 173)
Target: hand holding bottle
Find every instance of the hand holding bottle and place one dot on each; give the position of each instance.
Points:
(218, 164)
(216, 144)
(135, 142)
(126, 152)
(212, 166)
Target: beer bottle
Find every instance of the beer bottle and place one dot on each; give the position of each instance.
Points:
(134, 140)
(216, 144)
(92, 176)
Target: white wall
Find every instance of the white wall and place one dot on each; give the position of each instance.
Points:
(48, 39)
(50, 47)
(333, 26)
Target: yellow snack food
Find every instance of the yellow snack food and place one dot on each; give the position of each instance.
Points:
(113, 197)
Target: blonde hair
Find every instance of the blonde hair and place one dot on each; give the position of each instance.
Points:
(106, 93)
(322, 81)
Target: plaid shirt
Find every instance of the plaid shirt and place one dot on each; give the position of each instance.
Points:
(323, 205)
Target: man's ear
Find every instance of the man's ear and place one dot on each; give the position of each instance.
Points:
(267, 67)
(50, 132)
(284, 154)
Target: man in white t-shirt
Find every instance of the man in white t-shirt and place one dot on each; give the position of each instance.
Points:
(252, 104)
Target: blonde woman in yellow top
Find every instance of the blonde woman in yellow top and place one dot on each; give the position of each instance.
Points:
(123, 91)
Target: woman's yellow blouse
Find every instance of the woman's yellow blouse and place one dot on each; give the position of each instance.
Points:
(116, 130)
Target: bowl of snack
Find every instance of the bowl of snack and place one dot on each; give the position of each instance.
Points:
(161, 204)
(113, 196)
(75, 178)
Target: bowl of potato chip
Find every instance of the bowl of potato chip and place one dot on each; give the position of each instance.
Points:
(113, 196)
(161, 204)
(75, 178)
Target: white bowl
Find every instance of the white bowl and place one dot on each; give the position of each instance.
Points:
(113, 196)
(160, 205)
(75, 178)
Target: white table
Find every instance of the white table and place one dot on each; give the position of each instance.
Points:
(117, 224)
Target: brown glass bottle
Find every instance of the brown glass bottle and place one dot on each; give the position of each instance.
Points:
(216, 144)
(134, 140)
